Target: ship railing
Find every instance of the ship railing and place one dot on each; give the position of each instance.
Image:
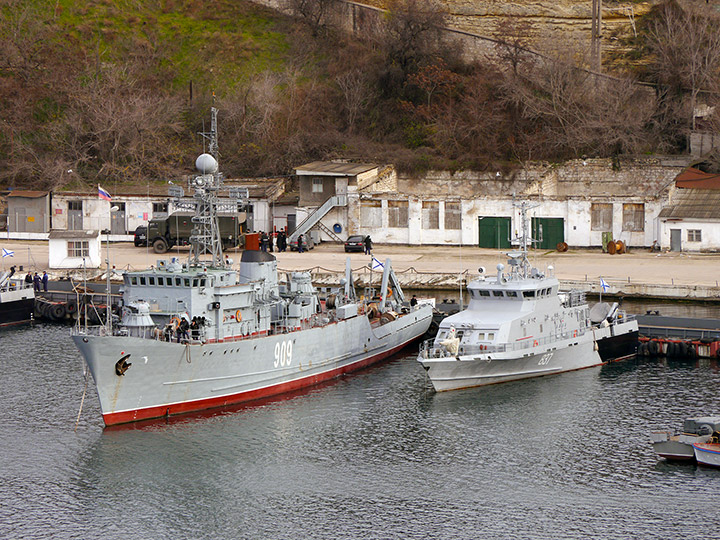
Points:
(429, 349)
(154, 333)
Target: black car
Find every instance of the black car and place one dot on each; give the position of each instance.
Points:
(140, 236)
(355, 242)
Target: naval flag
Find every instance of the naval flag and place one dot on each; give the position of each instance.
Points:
(104, 195)
(604, 285)
(377, 264)
(6, 253)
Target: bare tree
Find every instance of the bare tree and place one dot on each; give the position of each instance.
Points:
(683, 43)
(574, 112)
(23, 35)
(412, 32)
(356, 93)
(315, 13)
(513, 42)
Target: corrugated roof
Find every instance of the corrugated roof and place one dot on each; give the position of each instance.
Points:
(27, 194)
(332, 168)
(693, 204)
(697, 179)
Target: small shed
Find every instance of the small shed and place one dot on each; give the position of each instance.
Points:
(74, 249)
(28, 211)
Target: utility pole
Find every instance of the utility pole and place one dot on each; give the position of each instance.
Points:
(595, 34)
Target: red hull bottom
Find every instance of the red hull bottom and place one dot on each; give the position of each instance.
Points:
(172, 409)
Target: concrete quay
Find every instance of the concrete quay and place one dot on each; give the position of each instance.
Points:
(639, 273)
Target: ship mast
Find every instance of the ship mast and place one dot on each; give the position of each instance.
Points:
(205, 237)
(518, 259)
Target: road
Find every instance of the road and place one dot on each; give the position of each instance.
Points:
(637, 266)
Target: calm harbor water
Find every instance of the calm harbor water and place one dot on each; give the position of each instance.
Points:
(372, 455)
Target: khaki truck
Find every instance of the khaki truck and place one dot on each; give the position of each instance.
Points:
(175, 230)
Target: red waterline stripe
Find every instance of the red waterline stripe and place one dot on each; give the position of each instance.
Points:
(159, 411)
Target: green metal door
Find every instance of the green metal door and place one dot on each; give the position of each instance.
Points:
(494, 232)
(547, 233)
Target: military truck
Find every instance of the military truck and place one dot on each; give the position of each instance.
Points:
(175, 230)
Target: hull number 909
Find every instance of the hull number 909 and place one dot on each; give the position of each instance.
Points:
(283, 353)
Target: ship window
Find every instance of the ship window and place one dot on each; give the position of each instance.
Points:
(497, 293)
(187, 282)
(168, 281)
(202, 282)
(161, 281)
(529, 294)
(512, 294)
(484, 293)
(142, 280)
(178, 282)
(195, 282)
(541, 329)
(481, 336)
(151, 280)
(133, 280)
(491, 336)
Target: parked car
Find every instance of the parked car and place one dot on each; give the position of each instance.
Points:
(140, 236)
(307, 243)
(355, 242)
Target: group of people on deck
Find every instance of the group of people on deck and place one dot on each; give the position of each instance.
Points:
(38, 283)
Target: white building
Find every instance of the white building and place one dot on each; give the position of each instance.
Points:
(691, 219)
(582, 203)
(74, 249)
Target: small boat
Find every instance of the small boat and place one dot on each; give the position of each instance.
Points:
(679, 446)
(17, 299)
(708, 453)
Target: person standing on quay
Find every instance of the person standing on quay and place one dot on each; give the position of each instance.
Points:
(45, 279)
(36, 282)
(368, 245)
(300, 243)
(281, 241)
(263, 241)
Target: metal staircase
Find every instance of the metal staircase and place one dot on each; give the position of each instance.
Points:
(315, 217)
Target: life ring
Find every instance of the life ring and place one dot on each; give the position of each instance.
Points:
(574, 333)
(535, 343)
(389, 292)
(175, 322)
(238, 316)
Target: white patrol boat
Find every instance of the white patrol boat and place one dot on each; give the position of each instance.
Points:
(517, 325)
(200, 334)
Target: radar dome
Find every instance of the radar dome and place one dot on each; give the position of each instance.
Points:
(206, 164)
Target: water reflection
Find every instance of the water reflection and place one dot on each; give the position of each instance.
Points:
(373, 455)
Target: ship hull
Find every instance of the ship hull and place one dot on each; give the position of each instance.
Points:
(617, 341)
(170, 378)
(16, 311)
(471, 371)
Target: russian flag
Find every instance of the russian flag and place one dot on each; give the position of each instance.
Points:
(104, 195)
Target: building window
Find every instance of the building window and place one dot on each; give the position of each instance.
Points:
(398, 214)
(601, 217)
(430, 215)
(633, 217)
(78, 248)
(317, 185)
(160, 207)
(694, 235)
(371, 214)
(452, 215)
(75, 205)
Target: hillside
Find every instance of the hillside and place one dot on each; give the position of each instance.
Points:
(118, 90)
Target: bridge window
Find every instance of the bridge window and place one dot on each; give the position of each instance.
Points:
(512, 294)
(498, 293)
(529, 294)
(161, 281)
(484, 293)
(142, 280)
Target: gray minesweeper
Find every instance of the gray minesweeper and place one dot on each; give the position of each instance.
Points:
(518, 325)
(199, 335)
